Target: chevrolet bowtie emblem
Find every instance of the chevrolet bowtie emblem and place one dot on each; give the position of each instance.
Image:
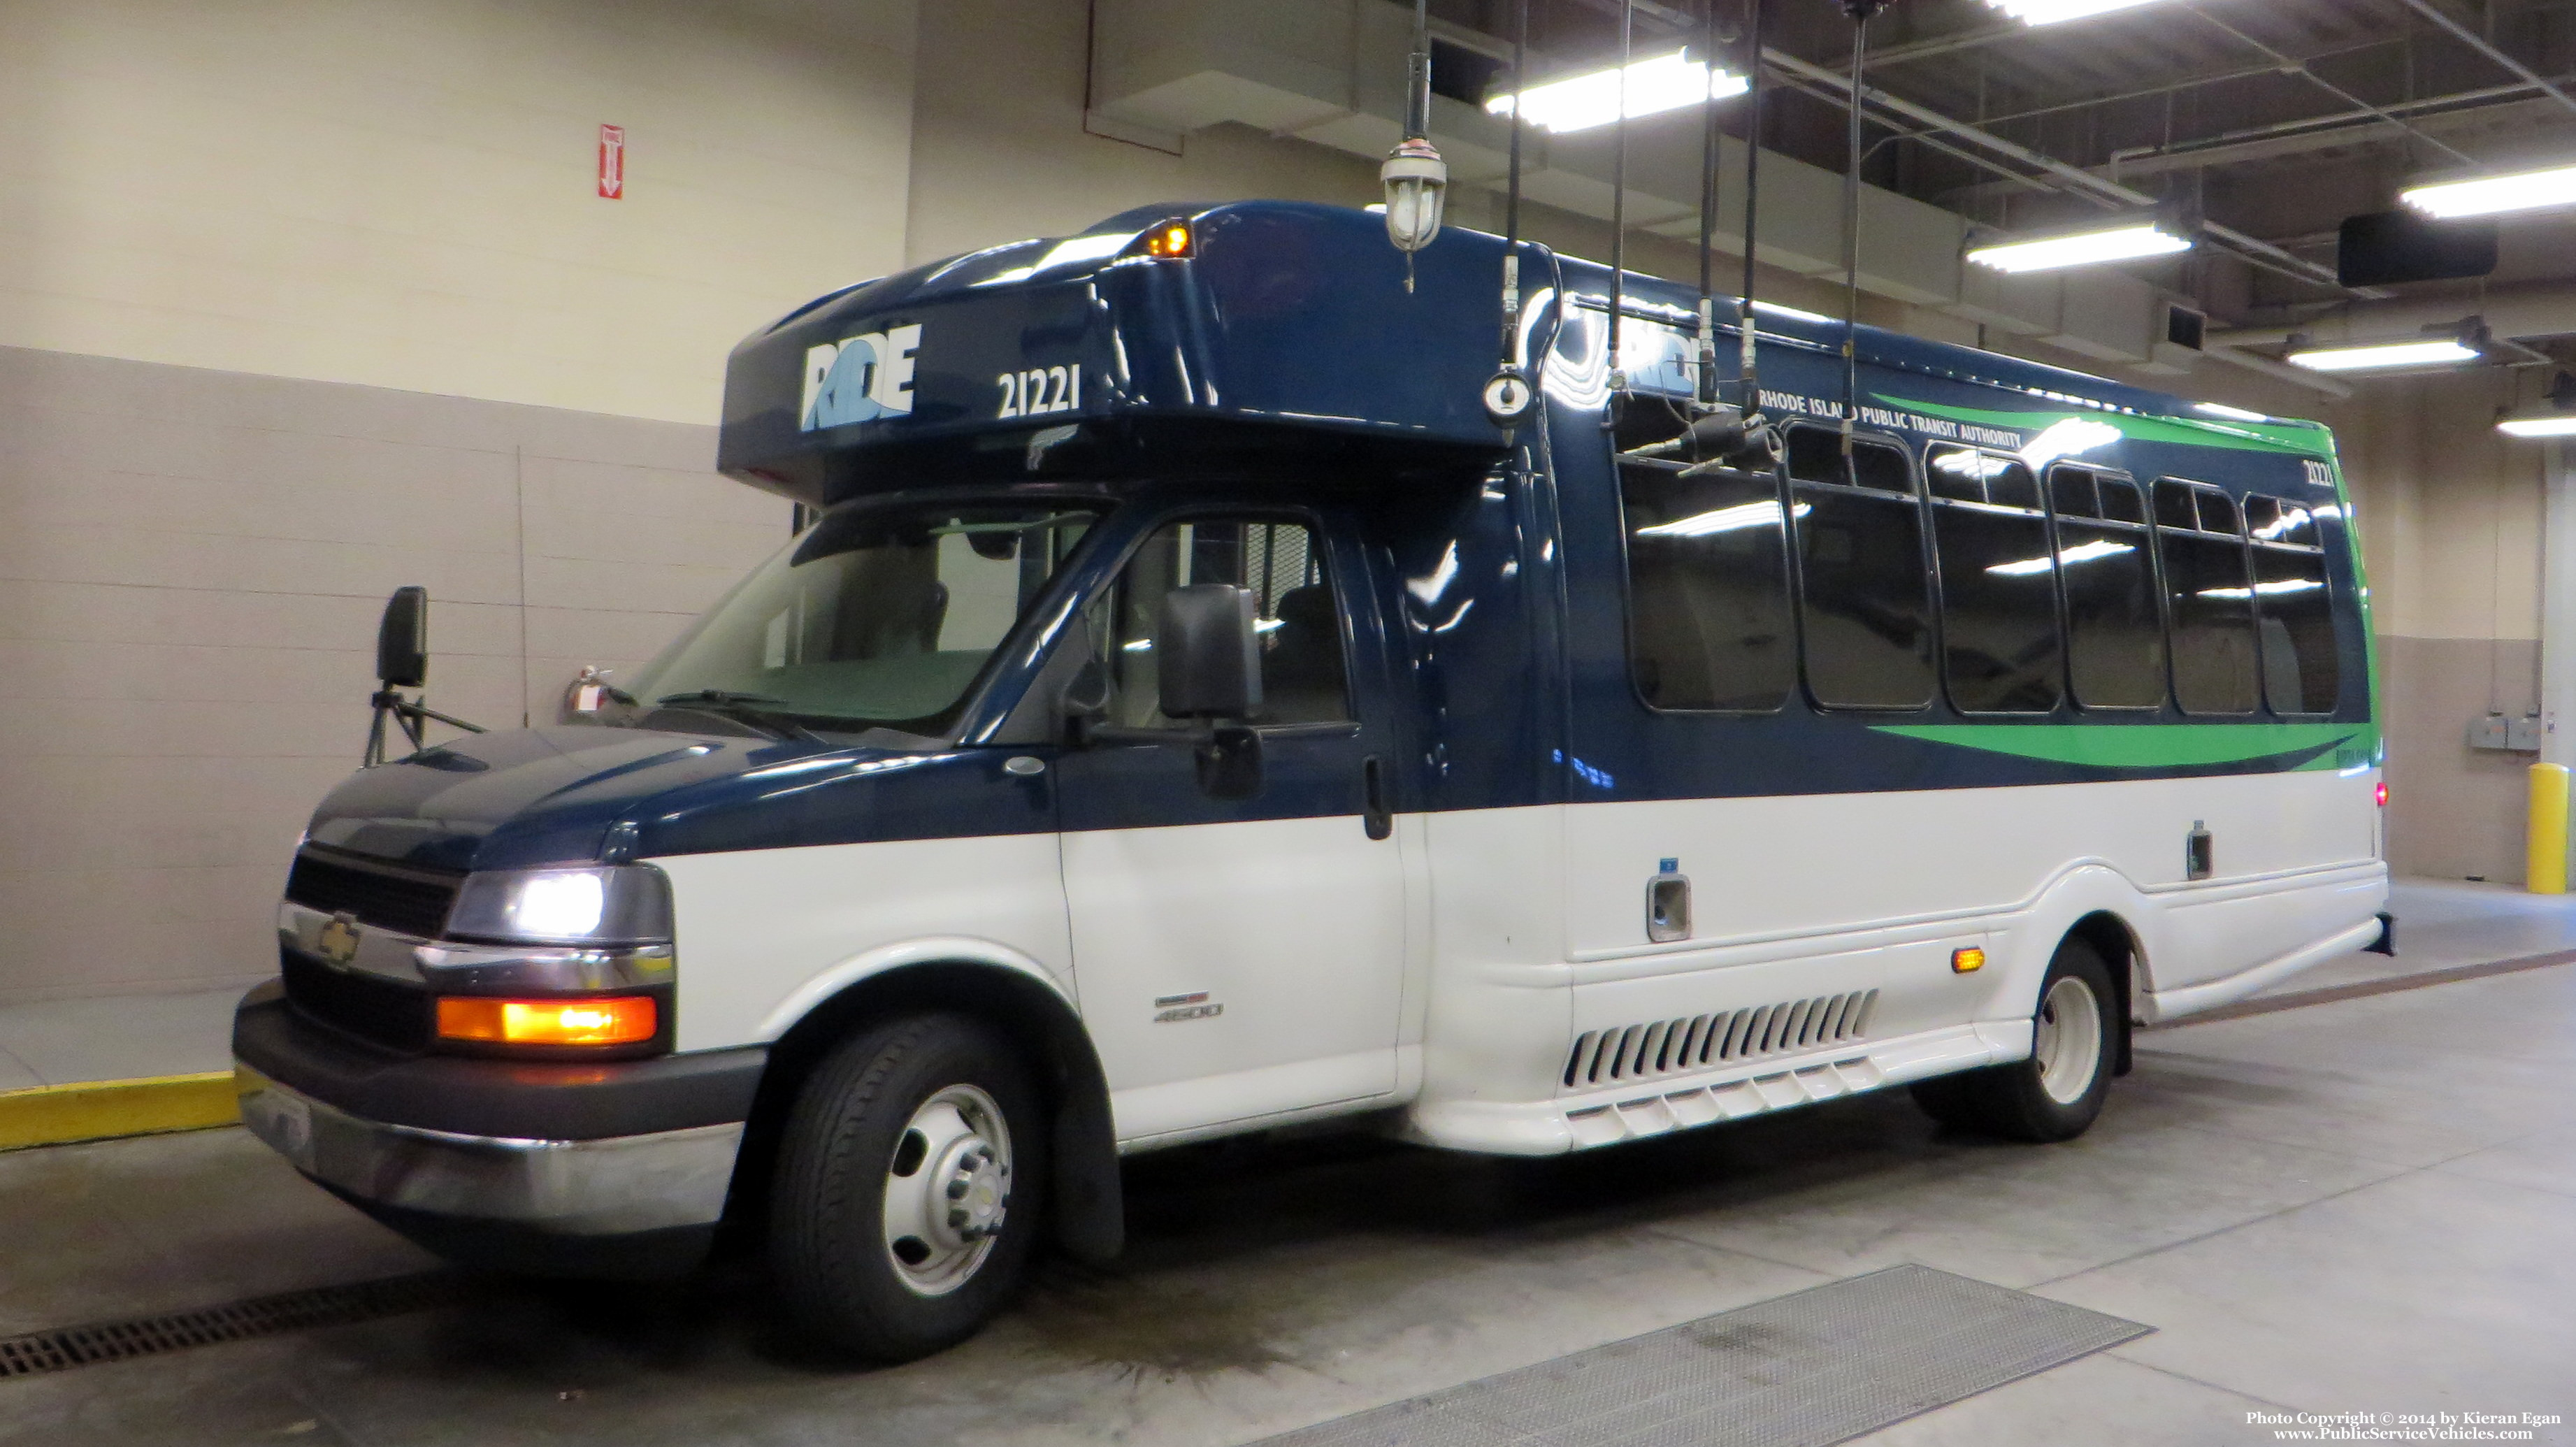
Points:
(339, 939)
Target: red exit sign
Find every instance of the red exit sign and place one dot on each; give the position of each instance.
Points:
(612, 162)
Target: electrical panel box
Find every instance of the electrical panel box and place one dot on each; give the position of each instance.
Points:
(2505, 734)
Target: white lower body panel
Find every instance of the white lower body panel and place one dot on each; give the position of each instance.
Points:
(1639, 1109)
(2166, 1005)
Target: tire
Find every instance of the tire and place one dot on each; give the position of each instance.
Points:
(2057, 1093)
(909, 1188)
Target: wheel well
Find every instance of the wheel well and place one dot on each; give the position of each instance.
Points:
(1084, 1199)
(2109, 936)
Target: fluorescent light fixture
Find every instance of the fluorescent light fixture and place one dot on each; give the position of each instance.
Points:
(2090, 248)
(2386, 354)
(2560, 424)
(1777, 310)
(2495, 195)
(1667, 82)
(1065, 252)
(2232, 414)
(1981, 466)
(2267, 590)
(1724, 520)
(2071, 438)
(2049, 12)
(2080, 553)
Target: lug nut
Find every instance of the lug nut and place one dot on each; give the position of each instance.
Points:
(957, 1218)
(957, 1190)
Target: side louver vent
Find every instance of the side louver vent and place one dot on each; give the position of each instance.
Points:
(1699, 1042)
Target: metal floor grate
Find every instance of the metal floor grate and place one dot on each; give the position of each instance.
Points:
(79, 1346)
(1821, 1366)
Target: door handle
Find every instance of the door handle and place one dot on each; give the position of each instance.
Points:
(1379, 818)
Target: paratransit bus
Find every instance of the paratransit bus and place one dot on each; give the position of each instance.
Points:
(1189, 713)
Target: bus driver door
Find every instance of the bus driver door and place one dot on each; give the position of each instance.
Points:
(1237, 957)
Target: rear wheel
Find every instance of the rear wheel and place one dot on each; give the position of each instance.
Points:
(907, 1196)
(2058, 1092)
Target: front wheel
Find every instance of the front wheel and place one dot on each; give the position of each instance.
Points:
(2056, 1093)
(907, 1197)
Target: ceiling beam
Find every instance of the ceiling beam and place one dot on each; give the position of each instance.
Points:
(2100, 190)
(2479, 43)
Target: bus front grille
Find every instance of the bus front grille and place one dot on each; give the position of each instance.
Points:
(406, 898)
(1704, 1042)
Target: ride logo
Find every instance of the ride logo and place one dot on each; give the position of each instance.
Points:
(859, 379)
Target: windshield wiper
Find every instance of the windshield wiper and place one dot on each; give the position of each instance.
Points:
(750, 708)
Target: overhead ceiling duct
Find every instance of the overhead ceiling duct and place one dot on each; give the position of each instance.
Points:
(1332, 72)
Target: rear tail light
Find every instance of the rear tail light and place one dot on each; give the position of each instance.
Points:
(605, 1020)
(2383, 793)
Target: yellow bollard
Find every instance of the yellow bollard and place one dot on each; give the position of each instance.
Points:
(2545, 859)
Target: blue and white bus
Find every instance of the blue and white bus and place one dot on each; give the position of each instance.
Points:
(1188, 714)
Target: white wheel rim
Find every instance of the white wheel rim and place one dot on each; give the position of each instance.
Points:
(2067, 1040)
(947, 1190)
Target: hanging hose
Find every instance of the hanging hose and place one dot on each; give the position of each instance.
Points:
(1704, 387)
(1860, 11)
(1512, 199)
(1619, 210)
(1745, 369)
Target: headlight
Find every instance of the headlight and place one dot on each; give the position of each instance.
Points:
(609, 904)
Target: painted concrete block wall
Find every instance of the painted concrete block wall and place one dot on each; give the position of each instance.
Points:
(191, 565)
(1000, 152)
(401, 192)
(307, 299)
(2450, 517)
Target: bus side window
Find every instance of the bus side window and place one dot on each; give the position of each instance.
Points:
(1999, 646)
(1866, 595)
(2291, 608)
(2115, 634)
(2209, 595)
(1708, 589)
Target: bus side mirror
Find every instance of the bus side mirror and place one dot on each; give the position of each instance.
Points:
(1207, 658)
(402, 639)
(1207, 654)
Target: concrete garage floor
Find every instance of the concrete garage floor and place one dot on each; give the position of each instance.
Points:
(2368, 1204)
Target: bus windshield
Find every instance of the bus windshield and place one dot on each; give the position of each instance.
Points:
(880, 618)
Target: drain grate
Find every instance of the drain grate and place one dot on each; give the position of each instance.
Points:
(1819, 1367)
(64, 1348)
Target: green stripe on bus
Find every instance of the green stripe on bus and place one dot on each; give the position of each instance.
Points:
(2157, 746)
(2241, 436)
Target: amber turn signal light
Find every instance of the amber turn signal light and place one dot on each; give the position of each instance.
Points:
(614, 1020)
(1172, 238)
(1967, 961)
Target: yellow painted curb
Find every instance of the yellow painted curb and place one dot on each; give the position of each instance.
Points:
(103, 1109)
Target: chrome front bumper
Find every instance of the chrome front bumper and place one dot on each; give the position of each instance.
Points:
(618, 1186)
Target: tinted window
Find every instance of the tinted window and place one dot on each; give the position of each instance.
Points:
(2210, 599)
(1999, 649)
(2115, 635)
(1866, 603)
(2070, 492)
(1302, 677)
(1708, 589)
(2293, 613)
